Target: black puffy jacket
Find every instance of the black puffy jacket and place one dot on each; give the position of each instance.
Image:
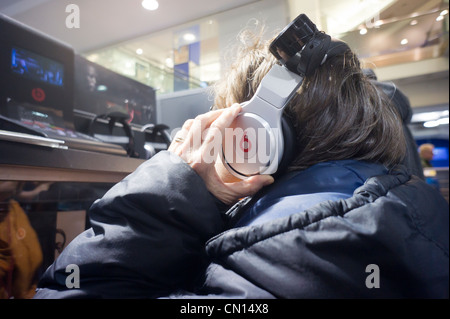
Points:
(159, 233)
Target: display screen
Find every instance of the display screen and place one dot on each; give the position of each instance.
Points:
(440, 154)
(440, 151)
(99, 91)
(36, 67)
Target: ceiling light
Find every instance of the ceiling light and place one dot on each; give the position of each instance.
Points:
(429, 116)
(414, 22)
(443, 13)
(443, 121)
(378, 23)
(440, 18)
(404, 41)
(150, 4)
(431, 124)
(344, 16)
(363, 31)
(139, 51)
(169, 62)
(189, 37)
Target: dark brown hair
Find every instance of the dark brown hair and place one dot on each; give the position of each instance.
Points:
(338, 113)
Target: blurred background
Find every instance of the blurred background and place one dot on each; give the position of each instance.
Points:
(154, 63)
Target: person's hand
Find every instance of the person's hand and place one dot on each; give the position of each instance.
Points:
(199, 142)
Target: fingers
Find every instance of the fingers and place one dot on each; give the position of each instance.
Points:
(181, 135)
(217, 127)
(251, 185)
(230, 193)
(226, 118)
(199, 142)
(203, 121)
(212, 137)
(207, 118)
(186, 127)
(192, 134)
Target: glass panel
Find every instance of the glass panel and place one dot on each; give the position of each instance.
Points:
(37, 221)
(188, 56)
(415, 37)
(193, 55)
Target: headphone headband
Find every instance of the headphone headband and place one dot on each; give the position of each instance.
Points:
(302, 48)
(262, 140)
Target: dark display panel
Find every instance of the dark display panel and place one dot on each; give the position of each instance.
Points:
(35, 70)
(36, 67)
(99, 90)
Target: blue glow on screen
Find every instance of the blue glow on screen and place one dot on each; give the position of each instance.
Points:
(36, 67)
(440, 154)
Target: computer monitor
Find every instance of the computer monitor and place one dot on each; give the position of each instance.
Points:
(36, 72)
(177, 107)
(99, 91)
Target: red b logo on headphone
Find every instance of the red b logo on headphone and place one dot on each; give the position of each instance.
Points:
(245, 144)
(38, 94)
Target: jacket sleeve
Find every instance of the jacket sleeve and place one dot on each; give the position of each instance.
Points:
(147, 236)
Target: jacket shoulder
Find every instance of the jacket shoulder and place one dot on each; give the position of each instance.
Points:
(329, 247)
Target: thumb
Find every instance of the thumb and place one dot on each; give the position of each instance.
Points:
(251, 185)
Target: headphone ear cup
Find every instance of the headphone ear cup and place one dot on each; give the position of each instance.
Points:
(289, 137)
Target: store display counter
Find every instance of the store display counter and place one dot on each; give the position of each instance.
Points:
(27, 162)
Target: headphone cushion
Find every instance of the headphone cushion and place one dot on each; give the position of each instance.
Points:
(289, 136)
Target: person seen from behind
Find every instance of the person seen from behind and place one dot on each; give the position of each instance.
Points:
(345, 220)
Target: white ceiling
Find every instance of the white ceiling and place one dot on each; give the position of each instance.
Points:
(106, 22)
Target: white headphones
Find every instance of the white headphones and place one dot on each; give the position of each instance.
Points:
(256, 141)
(255, 144)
